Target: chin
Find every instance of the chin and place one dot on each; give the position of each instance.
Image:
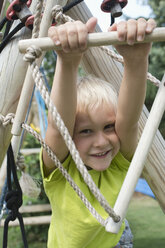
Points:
(100, 168)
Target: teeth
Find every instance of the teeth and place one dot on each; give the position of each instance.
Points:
(101, 154)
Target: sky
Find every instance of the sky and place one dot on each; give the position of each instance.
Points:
(132, 9)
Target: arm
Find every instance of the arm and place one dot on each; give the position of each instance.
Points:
(73, 38)
(133, 87)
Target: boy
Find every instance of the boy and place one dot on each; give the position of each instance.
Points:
(104, 131)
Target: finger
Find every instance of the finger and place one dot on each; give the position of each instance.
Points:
(151, 24)
(72, 35)
(91, 24)
(112, 28)
(63, 37)
(53, 34)
(131, 31)
(82, 35)
(141, 29)
(122, 30)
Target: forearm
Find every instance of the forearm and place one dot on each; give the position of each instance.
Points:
(130, 103)
(63, 92)
(132, 91)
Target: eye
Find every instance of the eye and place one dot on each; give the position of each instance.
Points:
(110, 127)
(86, 131)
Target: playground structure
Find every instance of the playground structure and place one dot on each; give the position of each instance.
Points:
(96, 61)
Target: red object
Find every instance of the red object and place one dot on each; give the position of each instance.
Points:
(108, 4)
(29, 22)
(11, 12)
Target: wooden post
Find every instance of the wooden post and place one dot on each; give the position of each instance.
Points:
(94, 39)
(138, 160)
(12, 73)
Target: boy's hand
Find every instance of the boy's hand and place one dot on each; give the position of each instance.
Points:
(72, 36)
(132, 31)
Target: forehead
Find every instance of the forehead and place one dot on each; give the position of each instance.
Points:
(98, 116)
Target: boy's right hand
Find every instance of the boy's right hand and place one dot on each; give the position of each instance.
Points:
(72, 36)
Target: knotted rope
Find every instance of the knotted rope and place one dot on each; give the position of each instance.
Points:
(57, 14)
(6, 120)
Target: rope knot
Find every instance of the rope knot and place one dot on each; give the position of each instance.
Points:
(32, 53)
(13, 202)
(6, 120)
(57, 13)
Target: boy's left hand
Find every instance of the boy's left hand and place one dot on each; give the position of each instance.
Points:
(131, 31)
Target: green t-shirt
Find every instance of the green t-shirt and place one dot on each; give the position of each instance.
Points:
(72, 225)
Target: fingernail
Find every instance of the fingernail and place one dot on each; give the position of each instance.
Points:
(57, 43)
(148, 29)
(130, 42)
(121, 38)
(140, 38)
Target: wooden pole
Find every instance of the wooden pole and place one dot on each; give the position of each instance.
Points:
(139, 158)
(33, 221)
(94, 39)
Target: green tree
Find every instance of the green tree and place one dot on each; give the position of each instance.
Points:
(157, 57)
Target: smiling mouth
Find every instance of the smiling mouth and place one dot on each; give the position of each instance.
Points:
(101, 154)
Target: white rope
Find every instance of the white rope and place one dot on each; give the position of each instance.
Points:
(119, 58)
(37, 19)
(6, 120)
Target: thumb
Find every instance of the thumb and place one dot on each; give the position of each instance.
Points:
(91, 24)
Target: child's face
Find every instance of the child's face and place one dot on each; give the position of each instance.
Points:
(95, 137)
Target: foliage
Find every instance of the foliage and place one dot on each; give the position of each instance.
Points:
(157, 57)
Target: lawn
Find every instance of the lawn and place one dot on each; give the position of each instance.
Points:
(147, 222)
(145, 217)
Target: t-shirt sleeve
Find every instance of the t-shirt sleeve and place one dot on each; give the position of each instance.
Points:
(56, 174)
(121, 162)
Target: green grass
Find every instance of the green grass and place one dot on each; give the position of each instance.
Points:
(145, 217)
(147, 222)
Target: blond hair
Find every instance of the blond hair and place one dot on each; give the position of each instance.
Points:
(93, 92)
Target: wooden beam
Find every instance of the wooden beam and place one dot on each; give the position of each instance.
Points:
(33, 221)
(35, 208)
(94, 39)
(28, 151)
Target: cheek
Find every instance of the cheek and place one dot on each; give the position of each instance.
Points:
(80, 144)
(115, 139)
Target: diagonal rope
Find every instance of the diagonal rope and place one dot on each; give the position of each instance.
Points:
(119, 58)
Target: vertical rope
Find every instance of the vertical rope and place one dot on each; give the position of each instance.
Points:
(37, 19)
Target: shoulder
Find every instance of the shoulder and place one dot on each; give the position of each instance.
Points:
(120, 162)
(56, 174)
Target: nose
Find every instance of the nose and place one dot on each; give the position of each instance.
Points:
(101, 140)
